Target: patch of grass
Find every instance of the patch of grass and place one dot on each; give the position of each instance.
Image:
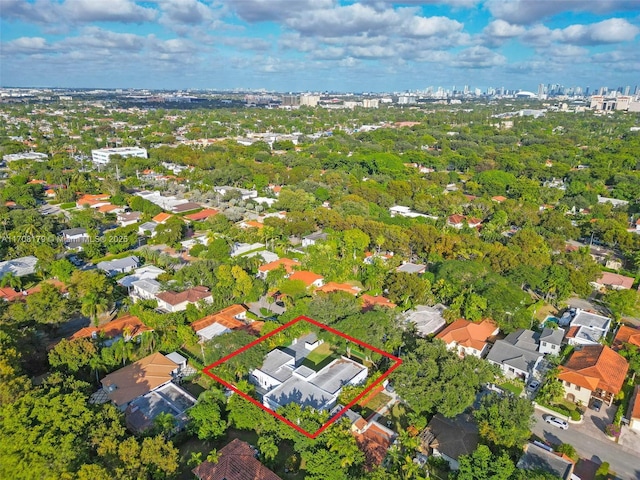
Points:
(68, 205)
(511, 387)
(377, 401)
(320, 357)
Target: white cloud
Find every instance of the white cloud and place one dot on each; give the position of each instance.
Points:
(276, 10)
(479, 57)
(531, 11)
(25, 45)
(613, 30)
(428, 27)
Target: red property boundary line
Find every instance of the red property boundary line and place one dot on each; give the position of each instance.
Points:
(396, 364)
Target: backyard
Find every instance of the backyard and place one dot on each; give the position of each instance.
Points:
(320, 357)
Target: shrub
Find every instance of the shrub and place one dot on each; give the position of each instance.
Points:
(612, 430)
(569, 450)
(574, 415)
(617, 420)
(603, 469)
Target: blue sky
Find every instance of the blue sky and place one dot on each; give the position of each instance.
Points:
(311, 45)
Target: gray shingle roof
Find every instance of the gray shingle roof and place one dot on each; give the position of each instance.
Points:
(505, 353)
(552, 335)
(536, 457)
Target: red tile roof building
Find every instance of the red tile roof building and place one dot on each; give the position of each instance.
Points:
(236, 461)
(287, 263)
(625, 335)
(596, 371)
(369, 302)
(128, 326)
(308, 278)
(468, 337)
(202, 214)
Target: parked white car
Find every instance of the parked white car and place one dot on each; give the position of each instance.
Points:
(557, 422)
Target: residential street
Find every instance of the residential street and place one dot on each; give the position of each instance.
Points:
(624, 461)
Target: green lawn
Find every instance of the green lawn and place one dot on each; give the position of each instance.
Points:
(320, 357)
(396, 419)
(511, 387)
(374, 404)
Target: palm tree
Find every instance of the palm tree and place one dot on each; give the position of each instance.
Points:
(96, 363)
(123, 351)
(12, 280)
(93, 304)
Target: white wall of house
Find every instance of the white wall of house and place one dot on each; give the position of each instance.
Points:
(264, 380)
(580, 394)
(549, 348)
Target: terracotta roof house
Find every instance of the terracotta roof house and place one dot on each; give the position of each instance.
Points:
(287, 263)
(9, 294)
(250, 224)
(593, 371)
(624, 335)
(125, 385)
(308, 278)
(236, 461)
(331, 287)
(369, 302)
(498, 198)
(162, 217)
(224, 321)
(615, 281)
(633, 414)
(202, 215)
(456, 221)
(178, 301)
(93, 201)
(127, 327)
(109, 208)
(374, 440)
(468, 338)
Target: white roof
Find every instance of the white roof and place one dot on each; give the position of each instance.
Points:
(149, 272)
(176, 358)
(19, 266)
(212, 330)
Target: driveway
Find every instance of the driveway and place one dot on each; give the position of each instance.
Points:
(591, 443)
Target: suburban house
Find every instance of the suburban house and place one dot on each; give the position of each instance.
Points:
(128, 218)
(587, 328)
(162, 217)
(370, 257)
(19, 267)
(118, 266)
(139, 378)
(458, 221)
(185, 207)
(202, 215)
(178, 301)
(283, 379)
(93, 201)
(624, 335)
(145, 389)
(227, 319)
(74, 237)
(539, 457)
(148, 272)
(147, 228)
(450, 438)
(517, 355)
(236, 461)
(286, 263)
(551, 341)
(145, 289)
(313, 238)
(373, 438)
(593, 371)
(339, 287)
(408, 267)
(310, 279)
(428, 320)
(369, 302)
(633, 414)
(614, 281)
(127, 327)
(469, 338)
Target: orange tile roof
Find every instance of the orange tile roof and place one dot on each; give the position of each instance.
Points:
(139, 378)
(108, 208)
(236, 461)
(192, 295)
(224, 317)
(615, 280)
(456, 219)
(162, 217)
(572, 332)
(369, 301)
(468, 334)
(305, 276)
(9, 294)
(253, 224)
(115, 328)
(202, 214)
(374, 443)
(339, 287)
(287, 263)
(624, 335)
(498, 198)
(635, 403)
(37, 182)
(595, 362)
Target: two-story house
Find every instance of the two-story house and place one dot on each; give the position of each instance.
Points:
(468, 338)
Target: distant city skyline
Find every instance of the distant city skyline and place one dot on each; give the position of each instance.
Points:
(320, 45)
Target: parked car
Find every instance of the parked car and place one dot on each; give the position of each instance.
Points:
(557, 422)
(596, 405)
(533, 385)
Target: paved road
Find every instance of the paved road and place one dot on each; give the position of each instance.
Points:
(624, 461)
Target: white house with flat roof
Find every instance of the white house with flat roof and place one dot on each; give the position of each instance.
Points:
(587, 328)
(283, 379)
(102, 156)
